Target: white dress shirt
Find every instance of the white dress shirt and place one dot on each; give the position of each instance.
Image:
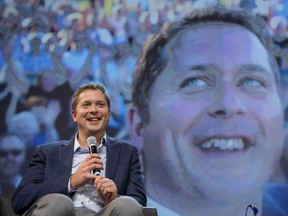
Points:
(87, 196)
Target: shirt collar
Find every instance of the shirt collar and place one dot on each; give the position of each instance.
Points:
(77, 144)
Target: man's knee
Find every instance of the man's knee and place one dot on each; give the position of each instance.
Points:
(125, 205)
(53, 204)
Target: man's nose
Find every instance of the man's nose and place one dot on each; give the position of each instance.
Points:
(94, 108)
(226, 101)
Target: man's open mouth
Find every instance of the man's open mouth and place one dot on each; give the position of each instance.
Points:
(94, 119)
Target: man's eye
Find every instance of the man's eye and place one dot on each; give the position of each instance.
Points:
(101, 104)
(85, 105)
(193, 82)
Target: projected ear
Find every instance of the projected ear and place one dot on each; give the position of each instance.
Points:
(285, 149)
(136, 128)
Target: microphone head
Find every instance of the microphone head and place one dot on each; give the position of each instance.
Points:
(255, 210)
(92, 146)
(91, 141)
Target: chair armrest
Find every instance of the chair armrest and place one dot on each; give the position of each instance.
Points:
(150, 211)
(5, 205)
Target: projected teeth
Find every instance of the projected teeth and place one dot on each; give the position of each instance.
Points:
(224, 144)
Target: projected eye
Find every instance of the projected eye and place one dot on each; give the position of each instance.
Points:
(193, 82)
(251, 82)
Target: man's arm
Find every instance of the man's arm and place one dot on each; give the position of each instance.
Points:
(123, 174)
(39, 180)
(128, 175)
(135, 187)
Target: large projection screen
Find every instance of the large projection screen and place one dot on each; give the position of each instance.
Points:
(49, 48)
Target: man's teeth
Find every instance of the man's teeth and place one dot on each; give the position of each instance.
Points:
(224, 144)
(94, 119)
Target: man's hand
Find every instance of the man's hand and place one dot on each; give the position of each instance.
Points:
(106, 188)
(83, 173)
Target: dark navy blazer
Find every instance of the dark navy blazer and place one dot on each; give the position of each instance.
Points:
(51, 166)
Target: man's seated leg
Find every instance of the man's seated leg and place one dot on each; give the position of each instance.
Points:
(52, 204)
(122, 206)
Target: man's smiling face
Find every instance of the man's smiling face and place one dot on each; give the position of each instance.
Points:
(92, 113)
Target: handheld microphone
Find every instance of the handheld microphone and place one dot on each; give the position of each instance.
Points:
(253, 208)
(92, 146)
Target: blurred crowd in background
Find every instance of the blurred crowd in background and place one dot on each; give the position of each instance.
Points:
(49, 47)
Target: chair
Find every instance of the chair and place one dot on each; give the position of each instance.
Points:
(148, 211)
(5, 205)
(6, 208)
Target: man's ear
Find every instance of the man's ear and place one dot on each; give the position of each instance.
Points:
(136, 128)
(73, 114)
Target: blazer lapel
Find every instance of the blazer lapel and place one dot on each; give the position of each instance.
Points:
(113, 154)
(66, 157)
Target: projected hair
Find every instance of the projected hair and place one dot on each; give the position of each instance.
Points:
(153, 61)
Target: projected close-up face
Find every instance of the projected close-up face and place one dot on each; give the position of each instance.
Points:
(216, 120)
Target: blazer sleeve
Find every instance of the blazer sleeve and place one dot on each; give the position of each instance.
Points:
(135, 187)
(128, 175)
(41, 178)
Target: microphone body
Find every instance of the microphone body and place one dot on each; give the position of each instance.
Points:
(92, 146)
(254, 209)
